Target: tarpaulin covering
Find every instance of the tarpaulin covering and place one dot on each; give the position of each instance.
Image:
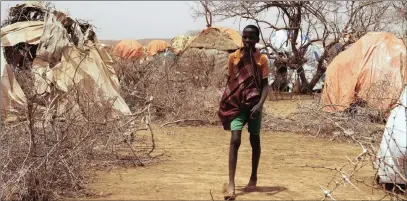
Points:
(128, 49)
(84, 69)
(156, 46)
(68, 61)
(11, 93)
(392, 156)
(107, 60)
(54, 38)
(28, 32)
(373, 69)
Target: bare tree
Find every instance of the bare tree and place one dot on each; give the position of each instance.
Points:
(328, 23)
(208, 13)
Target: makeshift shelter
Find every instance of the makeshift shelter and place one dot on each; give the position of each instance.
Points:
(209, 51)
(108, 48)
(27, 32)
(68, 56)
(392, 156)
(156, 46)
(11, 93)
(232, 33)
(129, 49)
(179, 43)
(219, 38)
(371, 71)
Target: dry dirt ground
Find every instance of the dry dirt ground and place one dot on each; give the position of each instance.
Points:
(196, 162)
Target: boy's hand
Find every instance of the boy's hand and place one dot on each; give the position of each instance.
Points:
(255, 111)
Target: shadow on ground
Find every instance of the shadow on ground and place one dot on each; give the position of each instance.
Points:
(268, 190)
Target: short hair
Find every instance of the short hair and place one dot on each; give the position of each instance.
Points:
(256, 29)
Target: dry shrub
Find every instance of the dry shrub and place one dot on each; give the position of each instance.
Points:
(46, 152)
(187, 88)
(310, 119)
(363, 120)
(134, 78)
(50, 145)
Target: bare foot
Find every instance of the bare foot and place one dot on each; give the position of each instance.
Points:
(251, 186)
(230, 193)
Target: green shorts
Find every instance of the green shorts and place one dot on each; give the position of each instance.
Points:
(240, 120)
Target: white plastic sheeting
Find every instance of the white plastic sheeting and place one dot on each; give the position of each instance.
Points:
(312, 55)
(281, 44)
(392, 155)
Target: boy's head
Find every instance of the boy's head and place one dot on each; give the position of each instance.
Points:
(251, 36)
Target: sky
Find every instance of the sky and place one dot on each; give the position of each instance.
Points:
(116, 20)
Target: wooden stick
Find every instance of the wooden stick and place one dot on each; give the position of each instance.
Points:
(185, 120)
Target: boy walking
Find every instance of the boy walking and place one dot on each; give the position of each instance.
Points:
(242, 102)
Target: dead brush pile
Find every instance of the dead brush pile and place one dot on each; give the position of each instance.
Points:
(310, 119)
(44, 155)
(50, 142)
(363, 121)
(361, 127)
(186, 90)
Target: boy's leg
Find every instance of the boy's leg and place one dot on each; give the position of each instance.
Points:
(254, 129)
(233, 153)
(235, 141)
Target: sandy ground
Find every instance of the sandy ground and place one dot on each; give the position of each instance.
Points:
(196, 163)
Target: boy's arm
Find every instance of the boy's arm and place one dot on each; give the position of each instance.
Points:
(264, 80)
(264, 91)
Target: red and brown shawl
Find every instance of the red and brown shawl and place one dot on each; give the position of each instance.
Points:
(243, 91)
